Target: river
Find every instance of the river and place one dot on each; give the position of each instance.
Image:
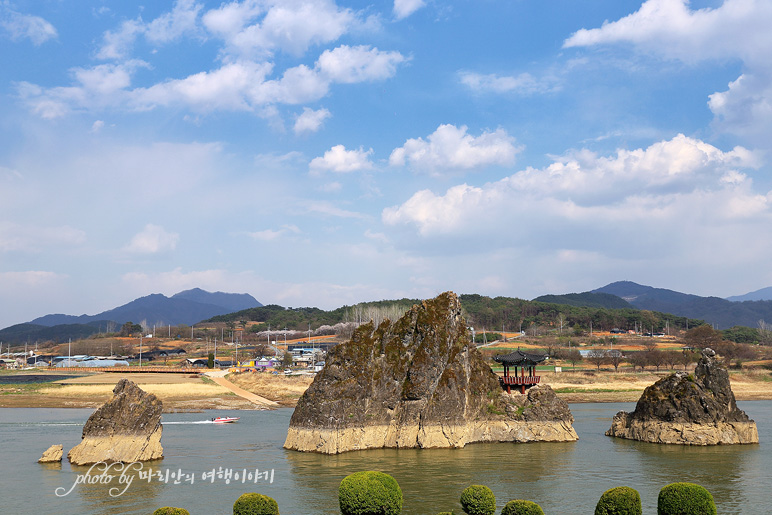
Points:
(564, 478)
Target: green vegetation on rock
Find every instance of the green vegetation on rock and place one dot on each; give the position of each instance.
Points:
(521, 507)
(621, 500)
(168, 510)
(370, 493)
(478, 500)
(255, 504)
(685, 499)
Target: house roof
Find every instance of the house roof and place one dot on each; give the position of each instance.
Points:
(520, 358)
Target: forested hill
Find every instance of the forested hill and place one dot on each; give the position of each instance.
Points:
(498, 313)
(588, 299)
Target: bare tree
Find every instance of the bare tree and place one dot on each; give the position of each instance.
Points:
(598, 357)
(765, 333)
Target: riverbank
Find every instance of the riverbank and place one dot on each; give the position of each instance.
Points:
(192, 392)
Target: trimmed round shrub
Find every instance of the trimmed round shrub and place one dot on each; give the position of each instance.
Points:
(255, 504)
(168, 510)
(370, 493)
(685, 499)
(621, 500)
(521, 507)
(478, 500)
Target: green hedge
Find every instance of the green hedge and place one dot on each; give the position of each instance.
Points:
(521, 507)
(255, 504)
(621, 500)
(168, 510)
(370, 493)
(685, 499)
(478, 500)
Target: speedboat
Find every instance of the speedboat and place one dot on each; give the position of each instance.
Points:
(224, 420)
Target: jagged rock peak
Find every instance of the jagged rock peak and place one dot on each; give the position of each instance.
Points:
(126, 428)
(690, 409)
(417, 382)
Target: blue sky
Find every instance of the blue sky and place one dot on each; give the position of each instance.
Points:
(321, 153)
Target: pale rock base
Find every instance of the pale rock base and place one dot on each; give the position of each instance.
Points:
(117, 448)
(334, 441)
(52, 455)
(656, 431)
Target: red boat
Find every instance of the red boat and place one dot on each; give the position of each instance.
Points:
(224, 420)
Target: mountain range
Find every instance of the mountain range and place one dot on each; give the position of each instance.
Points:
(187, 307)
(722, 313)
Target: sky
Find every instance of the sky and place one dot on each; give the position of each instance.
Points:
(324, 152)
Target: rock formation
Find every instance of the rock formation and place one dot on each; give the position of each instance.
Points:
(418, 382)
(127, 428)
(686, 409)
(53, 454)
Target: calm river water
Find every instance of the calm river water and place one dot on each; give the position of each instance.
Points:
(564, 478)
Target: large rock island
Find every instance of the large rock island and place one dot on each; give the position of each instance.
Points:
(126, 429)
(419, 382)
(686, 409)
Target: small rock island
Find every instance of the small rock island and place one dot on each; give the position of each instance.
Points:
(686, 409)
(419, 382)
(125, 429)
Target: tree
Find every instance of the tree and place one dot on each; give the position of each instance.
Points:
(130, 329)
(286, 360)
(597, 357)
(703, 336)
(671, 358)
(638, 359)
(615, 357)
(765, 333)
(655, 358)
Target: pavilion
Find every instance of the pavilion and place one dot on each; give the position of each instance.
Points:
(525, 362)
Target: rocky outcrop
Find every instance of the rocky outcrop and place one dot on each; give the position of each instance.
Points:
(418, 382)
(53, 454)
(125, 429)
(686, 409)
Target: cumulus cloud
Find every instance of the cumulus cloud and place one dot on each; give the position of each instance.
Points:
(310, 120)
(235, 86)
(451, 148)
(153, 239)
(340, 160)
(583, 193)
(348, 65)
(523, 84)
(404, 8)
(737, 29)
(26, 26)
(253, 28)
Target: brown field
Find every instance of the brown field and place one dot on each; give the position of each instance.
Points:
(286, 390)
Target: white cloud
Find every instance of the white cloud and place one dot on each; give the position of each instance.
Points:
(451, 148)
(272, 234)
(523, 84)
(349, 65)
(289, 26)
(26, 26)
(29, 238)
(235, 86)
(310, 120)
(737, 29)
(340, 160)
(404, 8)
(585, 194)
(119, 43)
(179, 21)
(328, 209)
(153, 239)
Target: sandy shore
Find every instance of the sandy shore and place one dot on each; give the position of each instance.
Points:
(192, 392)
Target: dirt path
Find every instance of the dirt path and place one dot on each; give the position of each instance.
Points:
(218, 377)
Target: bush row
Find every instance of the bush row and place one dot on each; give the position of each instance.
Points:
(376, 493)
